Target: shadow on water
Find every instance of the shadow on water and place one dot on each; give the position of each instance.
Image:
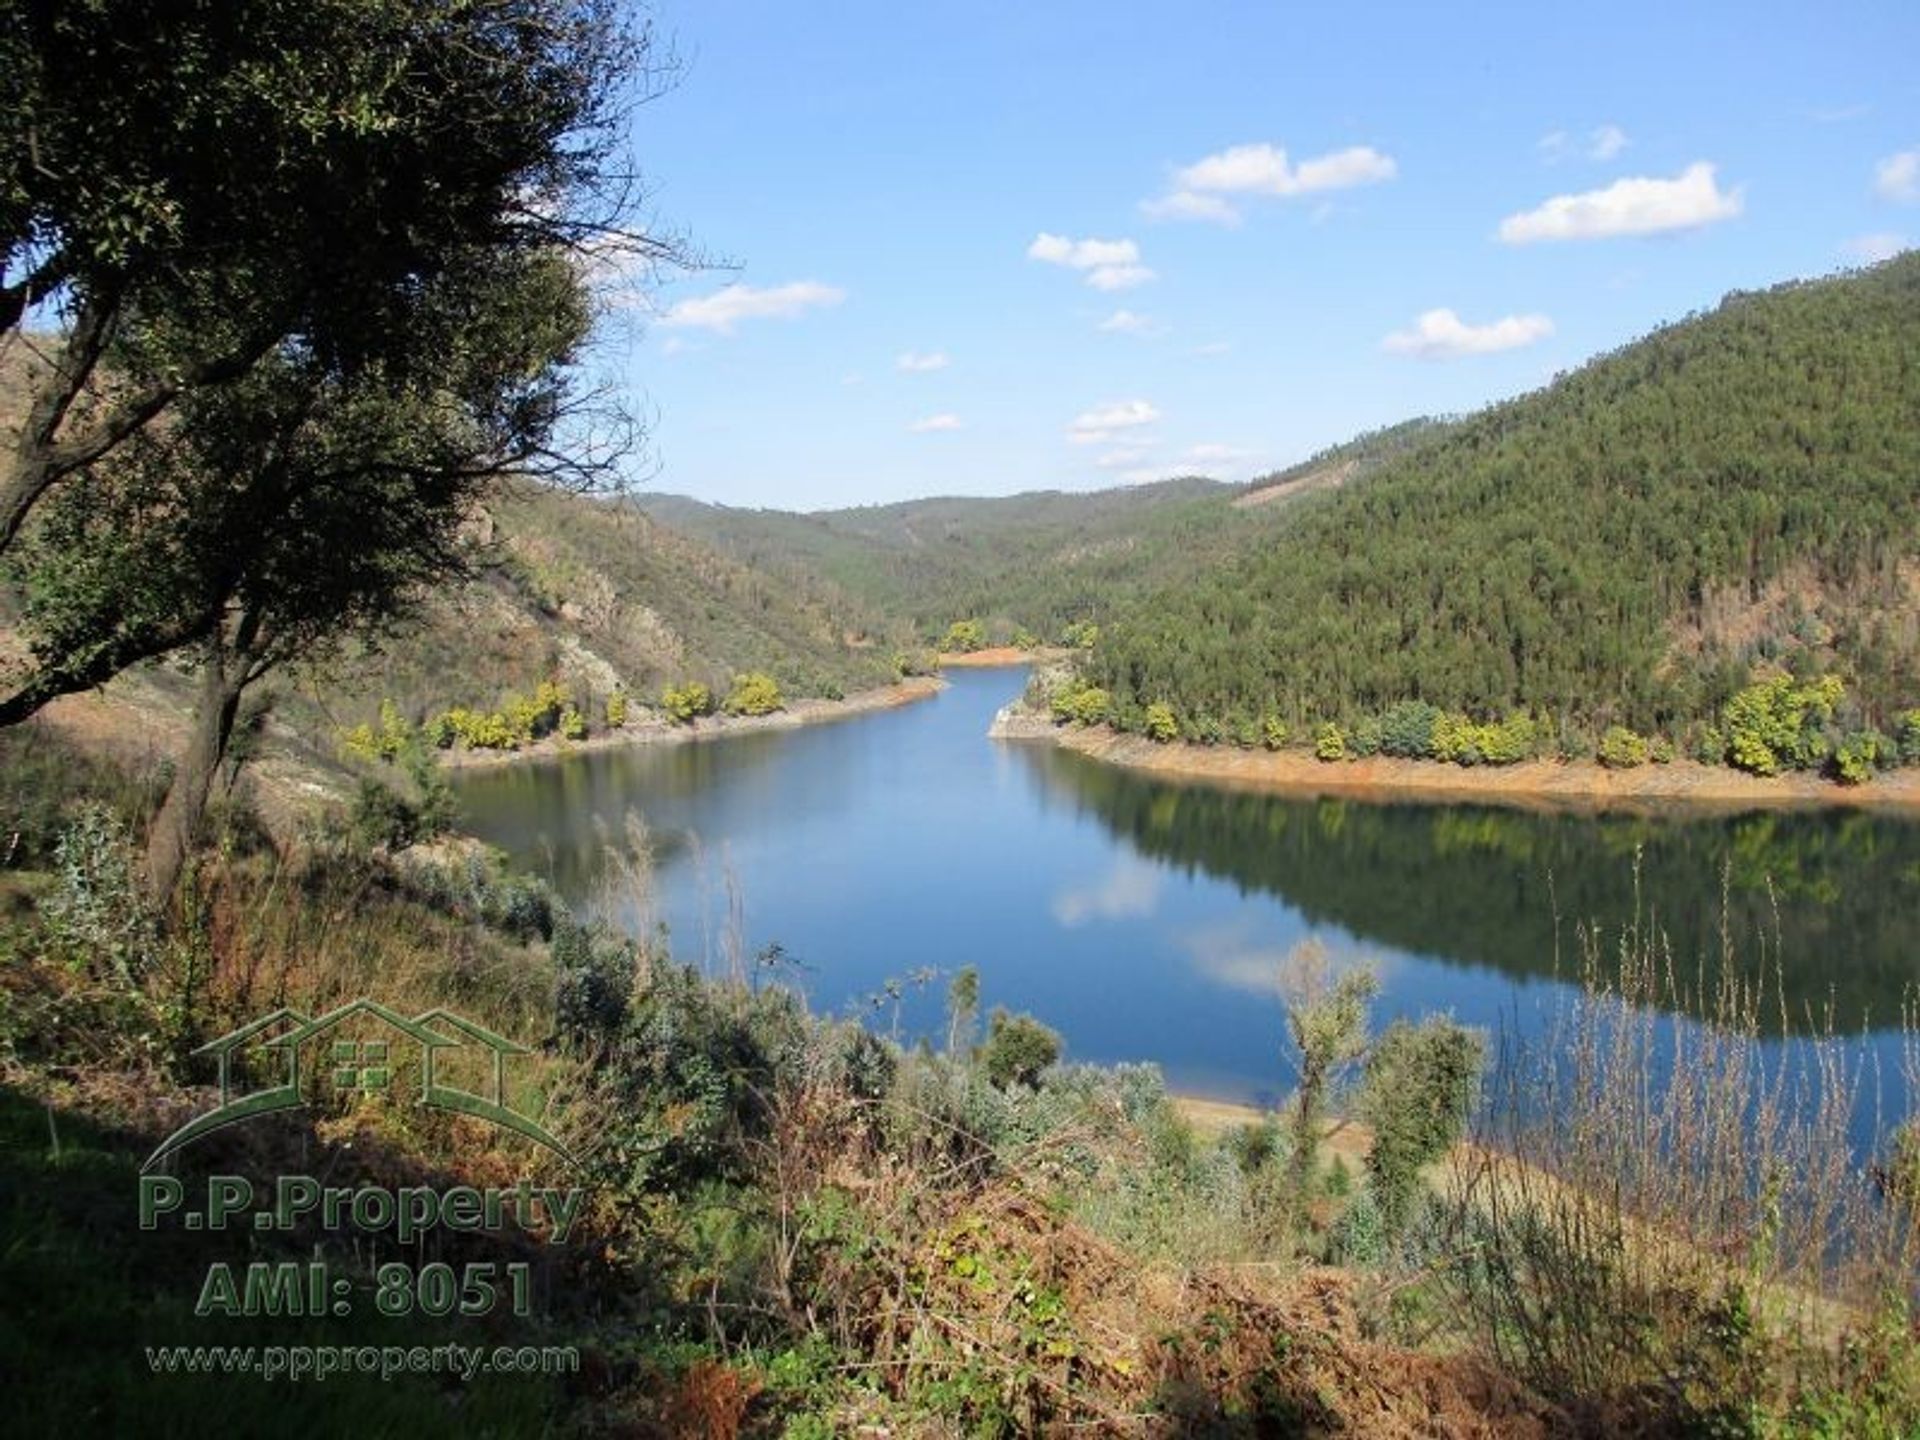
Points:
(1827, 901)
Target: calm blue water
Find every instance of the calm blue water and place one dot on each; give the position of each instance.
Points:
(1146, 920)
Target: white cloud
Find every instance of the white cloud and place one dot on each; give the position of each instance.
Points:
(917, 364)
(1602, 143)
(1606, 142)
(1443, 335)
(1126, 322)
(1897, 177)
(1634, 206)
(1872, 249)
(1263, 169)
(1103, 425)
(1190, 205)
(1213, 347)
(724, 309)
(934, 424)
(1107, 264)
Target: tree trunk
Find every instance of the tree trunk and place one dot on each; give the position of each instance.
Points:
(227, 671)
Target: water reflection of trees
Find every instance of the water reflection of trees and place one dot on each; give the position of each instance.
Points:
(1831, 899)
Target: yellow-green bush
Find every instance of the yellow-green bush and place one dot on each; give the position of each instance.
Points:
(1621, 749)
(686, 703)
(1161, 725)
(755, 693)
(1329, 743)
(616, 709)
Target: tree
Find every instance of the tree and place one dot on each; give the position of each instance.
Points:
(1018, 1050)
(1420, 1082)
(1327, 1022)
(964, 637)
(295, 508)
(298, 188)
(963, 1007)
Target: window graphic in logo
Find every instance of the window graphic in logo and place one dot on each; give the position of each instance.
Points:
(366, 1060)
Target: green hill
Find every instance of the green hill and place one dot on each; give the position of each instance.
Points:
(602, 596)
(1627, 545)
(1042, 560)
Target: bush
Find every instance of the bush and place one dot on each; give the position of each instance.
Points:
(573, 725)
(97, 909)
(1860, 754)
(617, 709)
(1908, 734)
(1775, 724)
(1080, 703)
(593, 982)
(1161, 725)
(1621, 749)
(1273, 732)
(686, 703)
(755, 693)
(382, 817)
(1018, 1050)
(1406, 730)
(1080, 635)
(1365, 739)
(1328, 743)
(1420, 1086)
(963, 637)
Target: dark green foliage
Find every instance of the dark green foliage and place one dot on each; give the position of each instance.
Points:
(1406, 730)
(593, 979)
(381, 816)
(1543, 555)
(1018, 1050)
(1420, 1085)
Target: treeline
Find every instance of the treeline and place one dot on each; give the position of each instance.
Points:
(1731, 497)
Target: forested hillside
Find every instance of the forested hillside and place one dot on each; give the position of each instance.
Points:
(1625, 546)
(603, 597)
(1038, 561)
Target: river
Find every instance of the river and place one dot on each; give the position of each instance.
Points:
(1146, 920)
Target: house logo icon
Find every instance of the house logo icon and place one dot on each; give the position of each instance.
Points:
(362, 1048)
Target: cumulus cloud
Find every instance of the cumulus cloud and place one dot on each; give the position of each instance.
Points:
(1872, 249)
(1443, 335)
(1103, 424)
(934, 424)
(1634, 206)
(726, 308)
(1106, 264)
(1126, 322)
(917, 364)
(1897, 178)
(1602, 143)
(1263, 169)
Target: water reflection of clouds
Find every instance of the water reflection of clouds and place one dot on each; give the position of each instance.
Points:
(1131, 891)
(1235, 955)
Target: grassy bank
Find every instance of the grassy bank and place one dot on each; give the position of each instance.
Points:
(799, 1228)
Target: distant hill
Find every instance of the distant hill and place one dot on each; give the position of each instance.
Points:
(1626, 545)
(1042, 560)
(603, 595)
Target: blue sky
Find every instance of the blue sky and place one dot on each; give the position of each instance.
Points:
(980, 249)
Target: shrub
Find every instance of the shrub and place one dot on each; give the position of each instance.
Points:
(1365, 739)
(686, 703)
(1080, 635)
(1859, 755)
(963, 637)
(1161, 725)
(1024, 639)
(755, 693)
(593, 982)
(1080, 703)
(617, 709)
(1328, 743)
(1406, 730)
(1775, 724)
(1908, 734)
(1273, 732)
(1660, 750)
(573, 725)
(1018, 1050)
(1621, 749)
(382, 816)
(97, 909)
(1420, 1086)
